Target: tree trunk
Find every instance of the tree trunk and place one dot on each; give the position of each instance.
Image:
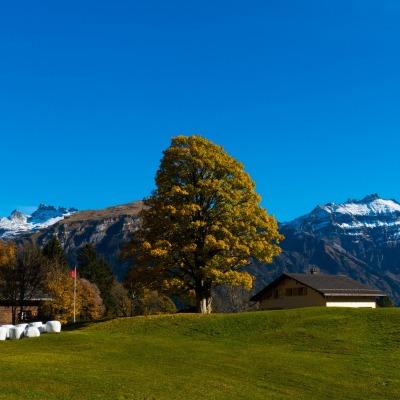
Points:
(203, 298)
(13, 312)
(21, 303)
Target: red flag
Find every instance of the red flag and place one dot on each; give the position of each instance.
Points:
(72, 274)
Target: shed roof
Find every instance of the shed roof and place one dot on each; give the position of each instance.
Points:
(327, 285)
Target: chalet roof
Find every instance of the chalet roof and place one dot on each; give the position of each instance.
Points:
(38, 296)
(327, 285)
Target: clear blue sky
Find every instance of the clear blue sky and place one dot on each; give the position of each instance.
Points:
(306, 94)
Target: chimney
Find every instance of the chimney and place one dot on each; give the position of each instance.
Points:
(314, 271)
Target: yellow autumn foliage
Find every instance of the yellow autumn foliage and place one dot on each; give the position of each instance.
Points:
(7, 253)
(60, 287)
(232, 278)
(203, 223)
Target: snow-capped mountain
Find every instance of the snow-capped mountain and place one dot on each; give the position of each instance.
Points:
(358, 238)
(45, 216)
(371, 216)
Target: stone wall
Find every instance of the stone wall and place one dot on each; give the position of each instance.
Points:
(5, 315)
(30, 313)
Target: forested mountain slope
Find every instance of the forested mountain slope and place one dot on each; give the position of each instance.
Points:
(359, 238)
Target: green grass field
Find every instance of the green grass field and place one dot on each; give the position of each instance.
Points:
(314, 353)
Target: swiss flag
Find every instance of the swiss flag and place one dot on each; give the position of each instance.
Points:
(72, 274)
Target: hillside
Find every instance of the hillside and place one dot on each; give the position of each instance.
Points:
(293, 354)
(106, 229)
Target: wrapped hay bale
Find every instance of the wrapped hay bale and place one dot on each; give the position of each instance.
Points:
(8, 328)
(16, 332)
(31, 331)
(37, 324)
(53, 326)
(3, 333)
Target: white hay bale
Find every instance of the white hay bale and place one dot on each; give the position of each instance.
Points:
(53, 326)
(24, 325)
(8, 328)
(31, 331)
(16, 332)
(3, 333)
(37, 324)
(42, 328)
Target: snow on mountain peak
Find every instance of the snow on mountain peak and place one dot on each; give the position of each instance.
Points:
(353, 217)
(43, 217)
(371, 197)
(371, 205)
(17, 216)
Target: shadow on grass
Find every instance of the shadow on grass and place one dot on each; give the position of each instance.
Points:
(74, 326)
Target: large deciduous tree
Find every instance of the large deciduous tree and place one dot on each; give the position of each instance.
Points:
(8, 290)
(202, 224)
(21, 278)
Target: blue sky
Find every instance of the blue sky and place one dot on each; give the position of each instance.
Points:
(305, 94)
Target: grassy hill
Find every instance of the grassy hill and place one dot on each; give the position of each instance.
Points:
(295, 354)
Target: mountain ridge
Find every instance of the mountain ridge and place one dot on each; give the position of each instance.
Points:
(106, 229)
(357, 238)
(18, 223)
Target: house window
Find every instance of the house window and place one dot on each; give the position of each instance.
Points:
(24, 315)
(301, 291)
(277, 294)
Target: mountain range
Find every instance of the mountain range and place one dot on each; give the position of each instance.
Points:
(106, 229)
(17, 223)
(358, 238)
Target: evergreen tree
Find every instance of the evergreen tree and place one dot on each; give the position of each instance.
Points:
(54, 253)
(96, 270)
(58, 284)
(385, 301)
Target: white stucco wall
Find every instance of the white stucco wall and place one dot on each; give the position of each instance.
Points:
(357, 302)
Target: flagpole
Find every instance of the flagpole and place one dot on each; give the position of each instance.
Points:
(74, 293)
